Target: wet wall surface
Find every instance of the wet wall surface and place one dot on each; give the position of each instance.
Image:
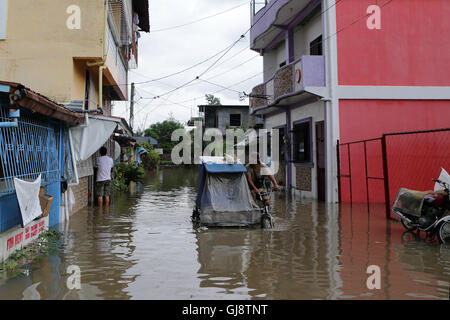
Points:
(145, 247)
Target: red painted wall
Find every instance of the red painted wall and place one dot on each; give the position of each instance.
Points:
(366, 119)
(413, 160)
(412, 48)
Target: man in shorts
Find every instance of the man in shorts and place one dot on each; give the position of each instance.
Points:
(103, 185)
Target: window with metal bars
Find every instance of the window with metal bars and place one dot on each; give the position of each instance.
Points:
(31, 149)
(121, 16)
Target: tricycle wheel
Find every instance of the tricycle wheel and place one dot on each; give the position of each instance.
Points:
(408, 226)
(444, 232)
(266, 222)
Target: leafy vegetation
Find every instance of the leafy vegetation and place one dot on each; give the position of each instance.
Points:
(162, 131)
(212, 100)
(46, 244)
(125, 172)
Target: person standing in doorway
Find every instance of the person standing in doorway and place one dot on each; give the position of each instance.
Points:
(103, 186)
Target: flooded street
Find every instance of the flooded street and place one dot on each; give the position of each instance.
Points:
(145, 247)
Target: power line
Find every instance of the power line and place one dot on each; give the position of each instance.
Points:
(201, 19)
(340, 30)
(189, 68)
(226, 51)
(218, 85)
(229, 88)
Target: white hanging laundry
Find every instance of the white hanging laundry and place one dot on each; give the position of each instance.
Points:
(71, 200)
(28, 197)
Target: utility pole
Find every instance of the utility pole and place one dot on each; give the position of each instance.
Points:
(132, 106)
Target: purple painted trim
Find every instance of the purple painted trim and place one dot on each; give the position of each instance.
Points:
(265, 17)
(325, 141)
(324, 43)
(299, 17)
(288, 153)
(309, 164)
(313, 71)
(289, 46)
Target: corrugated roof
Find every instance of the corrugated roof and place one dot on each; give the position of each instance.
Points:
(37, 102)
(150, 140)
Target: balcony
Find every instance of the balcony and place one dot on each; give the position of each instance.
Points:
(303, 75)
(269, 17)
(117, 71)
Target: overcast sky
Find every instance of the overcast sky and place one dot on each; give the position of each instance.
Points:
(165, 52)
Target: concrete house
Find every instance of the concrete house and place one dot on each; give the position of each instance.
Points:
(77, 54)
(225, 117)
(343, 72)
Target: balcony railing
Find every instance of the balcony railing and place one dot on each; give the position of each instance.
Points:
(256, 6)
(116, 63)
(294, 78)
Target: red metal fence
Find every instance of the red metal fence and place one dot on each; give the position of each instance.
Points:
(373, 170)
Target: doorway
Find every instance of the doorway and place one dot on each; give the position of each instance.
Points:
(320, 156)
(280, 176)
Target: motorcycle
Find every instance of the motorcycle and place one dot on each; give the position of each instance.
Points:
(427, 211)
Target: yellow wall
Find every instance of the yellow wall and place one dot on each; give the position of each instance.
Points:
(39, 49)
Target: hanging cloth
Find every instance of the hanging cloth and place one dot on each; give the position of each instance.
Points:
(28, 197)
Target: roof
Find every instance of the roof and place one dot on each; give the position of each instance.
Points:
(223, 106)
(150, 140)
(220, 165)
(36, 102)
(225, 168)
(141, 8)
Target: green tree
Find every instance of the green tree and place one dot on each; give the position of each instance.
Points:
(162, 131)
(212, 100)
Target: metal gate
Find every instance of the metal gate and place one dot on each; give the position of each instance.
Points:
(32, 148)
(372, 171)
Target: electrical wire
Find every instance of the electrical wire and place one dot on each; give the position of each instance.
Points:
(229, 87)
(215, 62)
(187, 69)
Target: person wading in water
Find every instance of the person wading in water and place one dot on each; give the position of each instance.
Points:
(103, 185)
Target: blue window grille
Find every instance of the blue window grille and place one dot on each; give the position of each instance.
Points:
(28, 150)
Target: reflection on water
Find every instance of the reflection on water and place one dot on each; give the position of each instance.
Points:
(145, 247)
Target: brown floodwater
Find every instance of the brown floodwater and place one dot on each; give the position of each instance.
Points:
(145, 247)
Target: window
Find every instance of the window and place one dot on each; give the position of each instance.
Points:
(315, 47)
(86, 91)
(3, 12)
(235, 120)
(302, 142)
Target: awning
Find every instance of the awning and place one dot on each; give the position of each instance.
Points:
(92, 135)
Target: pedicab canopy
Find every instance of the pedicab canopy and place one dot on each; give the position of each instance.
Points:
(224, 197)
